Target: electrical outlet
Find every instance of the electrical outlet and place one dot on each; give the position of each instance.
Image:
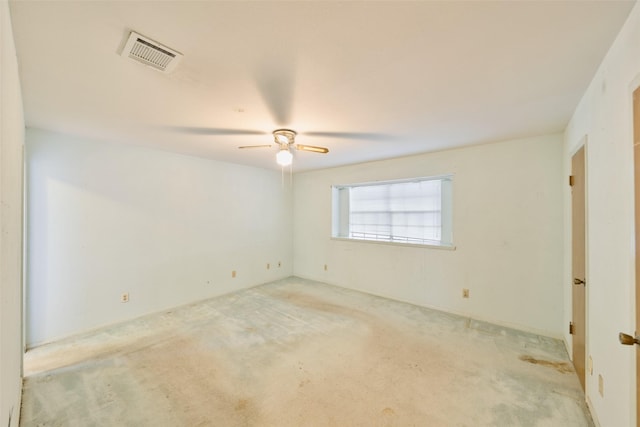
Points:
(590, 363)
(326, 268)
(124, 297)
(268, 266)
(465, 293)
(233, 273)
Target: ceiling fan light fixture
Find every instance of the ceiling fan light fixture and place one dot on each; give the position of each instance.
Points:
(284, 157)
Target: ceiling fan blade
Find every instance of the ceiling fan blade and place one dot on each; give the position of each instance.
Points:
(275, 81)
(215, 131)
(312, 148)
(254, 146)
(351, 135)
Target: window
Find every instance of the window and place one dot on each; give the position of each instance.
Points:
(416, 211)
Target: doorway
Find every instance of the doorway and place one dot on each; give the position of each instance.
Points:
(578, 263)
(636, 181)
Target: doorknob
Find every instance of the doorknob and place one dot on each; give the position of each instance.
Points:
(577, 281)
(628, 339)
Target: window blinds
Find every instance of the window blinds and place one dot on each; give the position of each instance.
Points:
(408, 212)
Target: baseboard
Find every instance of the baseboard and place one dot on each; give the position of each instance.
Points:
(592, 413)
(493, 321)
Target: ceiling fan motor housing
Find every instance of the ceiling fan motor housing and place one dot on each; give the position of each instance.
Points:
(284, 136)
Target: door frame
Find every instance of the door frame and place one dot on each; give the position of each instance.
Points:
(635, 288)
(582, 144)
(634, 369)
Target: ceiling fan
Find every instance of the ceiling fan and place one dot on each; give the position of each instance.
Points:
(285, 138)
(275, 82)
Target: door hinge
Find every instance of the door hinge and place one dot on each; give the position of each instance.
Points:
(571, 328)
(571, 180)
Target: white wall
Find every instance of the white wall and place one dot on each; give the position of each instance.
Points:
(604, 116)
(11, 143)
(507, 228)
(168, 229)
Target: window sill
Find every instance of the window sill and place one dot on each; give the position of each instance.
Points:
(410, 245)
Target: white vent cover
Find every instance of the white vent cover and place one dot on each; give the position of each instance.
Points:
(151, 53)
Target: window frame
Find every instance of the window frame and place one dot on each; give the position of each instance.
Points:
(340, 212)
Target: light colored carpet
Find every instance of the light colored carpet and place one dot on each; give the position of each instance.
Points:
(301, 353)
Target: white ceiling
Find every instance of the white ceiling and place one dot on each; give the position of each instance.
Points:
(382, 79)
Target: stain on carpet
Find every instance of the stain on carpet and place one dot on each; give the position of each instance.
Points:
(562, 367)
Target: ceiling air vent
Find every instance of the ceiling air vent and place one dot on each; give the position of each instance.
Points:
(151, 53)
